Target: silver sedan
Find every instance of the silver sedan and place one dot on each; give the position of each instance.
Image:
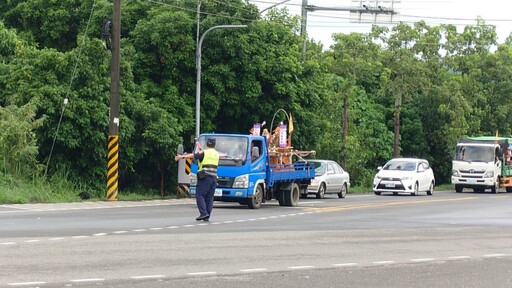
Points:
(330, 179)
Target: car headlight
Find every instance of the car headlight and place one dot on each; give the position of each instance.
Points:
(314, 181)
(378, 177)
(241, 181)
(489, 174)
(455, 173)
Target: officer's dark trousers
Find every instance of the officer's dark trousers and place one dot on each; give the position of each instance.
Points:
(204, 194)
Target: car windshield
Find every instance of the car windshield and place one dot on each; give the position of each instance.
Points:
(232, 149)
(474, 153)
(319, 168)
(400, 165)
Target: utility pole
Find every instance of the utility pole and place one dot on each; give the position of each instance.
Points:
(303, 27)
(113, 126)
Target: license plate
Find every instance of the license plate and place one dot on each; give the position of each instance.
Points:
(218, 192)
(471, 181)
(390, 184)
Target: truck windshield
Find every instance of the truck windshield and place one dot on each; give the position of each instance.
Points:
(232, 150)
(473, 153)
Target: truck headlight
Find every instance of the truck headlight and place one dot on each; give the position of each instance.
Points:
(455, 173)
(241, 181)
(489, 174)
(193, 179)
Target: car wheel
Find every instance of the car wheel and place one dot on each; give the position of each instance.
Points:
(416, 187)
(431, 189)
(343, 191)
(321, 191)
(377, 193)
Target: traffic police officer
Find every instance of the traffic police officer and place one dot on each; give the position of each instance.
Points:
(206, 177)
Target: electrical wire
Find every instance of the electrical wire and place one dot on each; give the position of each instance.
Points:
(73, 75)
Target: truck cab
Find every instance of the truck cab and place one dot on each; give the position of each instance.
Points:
(477, 164)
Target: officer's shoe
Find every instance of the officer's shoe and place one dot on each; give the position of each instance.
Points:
(202, 217)
(207, 218)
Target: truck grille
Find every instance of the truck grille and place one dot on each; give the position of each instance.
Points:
(225, 182)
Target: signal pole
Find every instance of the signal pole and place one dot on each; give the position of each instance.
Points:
(113, 126)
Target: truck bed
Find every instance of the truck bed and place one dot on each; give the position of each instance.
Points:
(291, 172)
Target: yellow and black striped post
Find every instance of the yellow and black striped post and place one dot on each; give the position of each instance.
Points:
(112, 169)
(188, 165)
(184, 180)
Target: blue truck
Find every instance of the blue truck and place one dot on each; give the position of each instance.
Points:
(250, 173)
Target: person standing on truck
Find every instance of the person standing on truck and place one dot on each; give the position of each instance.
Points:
(206, 177)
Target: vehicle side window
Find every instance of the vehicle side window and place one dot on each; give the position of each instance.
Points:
(258, 145)
(421, 167)
(337, 168)
(330, 169)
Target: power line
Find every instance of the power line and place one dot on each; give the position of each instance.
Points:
(73, 75)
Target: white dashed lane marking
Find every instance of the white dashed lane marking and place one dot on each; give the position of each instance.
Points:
(384, 262)
(202, 273)
(148, 277)
(253, 270)
(300, 267)
(26, 283)
(345, 264)
(87, 280)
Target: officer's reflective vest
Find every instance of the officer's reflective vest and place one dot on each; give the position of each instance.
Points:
(210, 162)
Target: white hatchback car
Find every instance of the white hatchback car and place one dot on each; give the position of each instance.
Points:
(330, 178)
(404, 175)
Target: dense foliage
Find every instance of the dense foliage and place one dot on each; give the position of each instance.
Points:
(412, 90)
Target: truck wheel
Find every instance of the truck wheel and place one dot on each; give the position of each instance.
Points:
(343, 191)
(280, 197)
(257, 198)
(291, 198)
(494, 189)
(509, 189)
(458, 188)
(321, 191)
